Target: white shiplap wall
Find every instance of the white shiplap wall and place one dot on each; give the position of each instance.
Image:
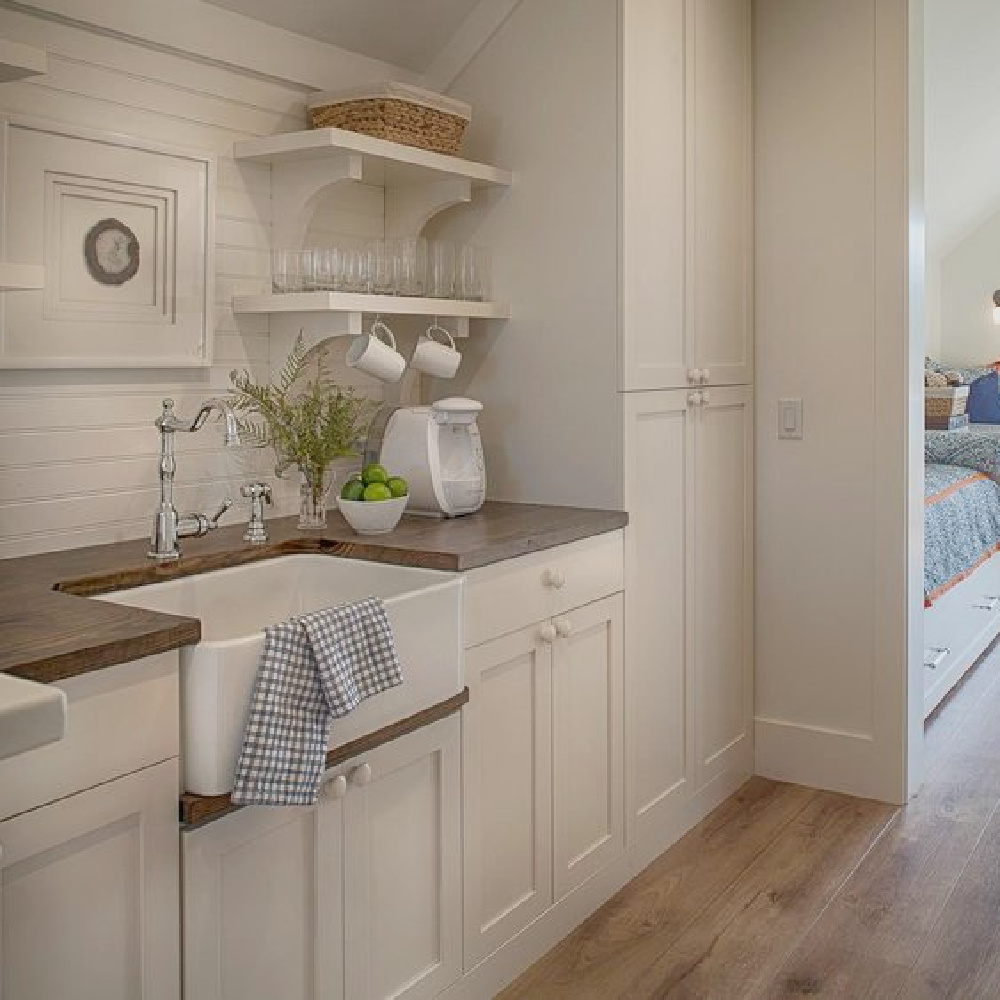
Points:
(78, 452)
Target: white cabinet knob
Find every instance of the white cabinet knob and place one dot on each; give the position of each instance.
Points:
(335, 788)
(694, 398)
(362, 774)
(564, 628)
(554, 578)
(548, 633)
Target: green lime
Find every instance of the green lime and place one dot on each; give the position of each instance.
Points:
(398, 486)
(353, 490)
(374, 473)
(377, 491)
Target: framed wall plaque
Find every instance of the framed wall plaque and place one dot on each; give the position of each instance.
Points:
(124, 229)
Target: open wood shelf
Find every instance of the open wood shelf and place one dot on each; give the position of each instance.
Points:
(384, 163)
(349, 302)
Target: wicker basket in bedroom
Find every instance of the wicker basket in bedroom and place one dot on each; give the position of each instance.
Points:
(398, 112)
(948, 401)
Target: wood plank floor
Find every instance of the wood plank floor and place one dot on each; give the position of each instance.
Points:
(789, 892)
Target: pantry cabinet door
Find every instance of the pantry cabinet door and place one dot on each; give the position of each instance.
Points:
(659, 484)
(719, 189)
(587, 749)
(403, 857)
(655, 352)
(89, 885)
(507, 789)
(253, 885)
(722, 641)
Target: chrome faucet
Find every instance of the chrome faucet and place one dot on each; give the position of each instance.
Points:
(168, 525)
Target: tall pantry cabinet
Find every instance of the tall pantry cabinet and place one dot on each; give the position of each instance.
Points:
(686, 388)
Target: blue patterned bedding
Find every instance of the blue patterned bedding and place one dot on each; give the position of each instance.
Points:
(961, 525)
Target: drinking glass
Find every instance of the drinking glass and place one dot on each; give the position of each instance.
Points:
(411, 267)
(441, 270)
(382, 267)
(474, 274)
(355, 272)
(323, 268)
(307, 271)
(284, 270)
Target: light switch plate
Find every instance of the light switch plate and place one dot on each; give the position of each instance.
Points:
(790, 419)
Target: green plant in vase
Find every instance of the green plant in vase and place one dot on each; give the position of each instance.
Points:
(307, 419)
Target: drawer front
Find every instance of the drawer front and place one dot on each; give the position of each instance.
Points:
(118, 720)
(513, 594)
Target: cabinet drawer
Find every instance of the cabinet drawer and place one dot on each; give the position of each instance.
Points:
(118, 720)
(506, 597)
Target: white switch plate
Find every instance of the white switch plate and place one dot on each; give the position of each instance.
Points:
(790, 419)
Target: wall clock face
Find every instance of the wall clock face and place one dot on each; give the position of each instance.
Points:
(112, 252)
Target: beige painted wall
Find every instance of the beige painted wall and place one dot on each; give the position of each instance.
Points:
(544, 90)
(831, 285)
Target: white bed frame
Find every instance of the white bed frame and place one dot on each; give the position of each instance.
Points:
(958, 628)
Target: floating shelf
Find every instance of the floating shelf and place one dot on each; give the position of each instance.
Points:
(348, 302)
(384, 163)
(18, 61)
(21, 277)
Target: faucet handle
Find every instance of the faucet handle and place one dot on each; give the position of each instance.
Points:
(256, 491)
(213, 521)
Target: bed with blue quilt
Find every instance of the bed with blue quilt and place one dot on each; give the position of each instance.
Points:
(961, 556)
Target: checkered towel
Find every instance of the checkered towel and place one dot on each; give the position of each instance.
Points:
(313, 669)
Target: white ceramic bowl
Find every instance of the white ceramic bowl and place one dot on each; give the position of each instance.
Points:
(373, 517)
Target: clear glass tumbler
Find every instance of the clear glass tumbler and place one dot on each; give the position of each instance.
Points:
(474, 274)
(284, 270)
(441, 269)
(356, 275)
(382, 267)
(411, 267)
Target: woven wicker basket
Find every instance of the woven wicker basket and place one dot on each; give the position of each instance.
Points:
(397, 112)
(945, 402)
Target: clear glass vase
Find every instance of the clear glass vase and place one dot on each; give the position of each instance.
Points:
(314, 494)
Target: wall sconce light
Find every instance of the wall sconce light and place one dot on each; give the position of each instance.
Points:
(996, 307)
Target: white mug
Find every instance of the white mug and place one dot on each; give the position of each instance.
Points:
(375, 354)
(434, 358)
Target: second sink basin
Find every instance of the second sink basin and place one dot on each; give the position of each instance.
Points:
(235, 605)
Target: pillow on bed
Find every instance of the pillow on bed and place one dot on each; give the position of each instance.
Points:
(980, 452)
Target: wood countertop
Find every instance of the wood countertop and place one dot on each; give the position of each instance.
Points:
(50, 631)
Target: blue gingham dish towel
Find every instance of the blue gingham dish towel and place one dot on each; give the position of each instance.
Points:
(313, 669)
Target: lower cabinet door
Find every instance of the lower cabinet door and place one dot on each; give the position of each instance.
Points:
(89, 894)
(264, 906)
(587, 742)
(403, 850)
(721, 644)
(507, 786)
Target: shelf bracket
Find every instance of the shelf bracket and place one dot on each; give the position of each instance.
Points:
(298, 187)
(409, 207)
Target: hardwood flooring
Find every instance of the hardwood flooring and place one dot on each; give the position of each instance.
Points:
(790, 892)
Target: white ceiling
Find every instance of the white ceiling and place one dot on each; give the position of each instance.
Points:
(407, 33)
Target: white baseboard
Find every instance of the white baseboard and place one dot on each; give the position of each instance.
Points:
(821, 758)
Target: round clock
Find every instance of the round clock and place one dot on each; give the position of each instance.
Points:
(111, 250)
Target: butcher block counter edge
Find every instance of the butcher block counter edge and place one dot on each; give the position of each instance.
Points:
(52, 632)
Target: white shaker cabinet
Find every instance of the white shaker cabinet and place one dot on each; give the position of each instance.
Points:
(359, 897)
(688, 602)
(88, 894)
(587, 749)
(542, 735)
(686, 193)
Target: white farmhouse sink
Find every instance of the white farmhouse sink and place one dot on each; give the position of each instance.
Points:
(31, 715)
(234, 605)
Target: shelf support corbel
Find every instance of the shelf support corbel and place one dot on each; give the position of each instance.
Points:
(298, 187)
(409, 207)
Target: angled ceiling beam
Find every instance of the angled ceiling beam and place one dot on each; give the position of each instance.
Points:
(476, 30)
